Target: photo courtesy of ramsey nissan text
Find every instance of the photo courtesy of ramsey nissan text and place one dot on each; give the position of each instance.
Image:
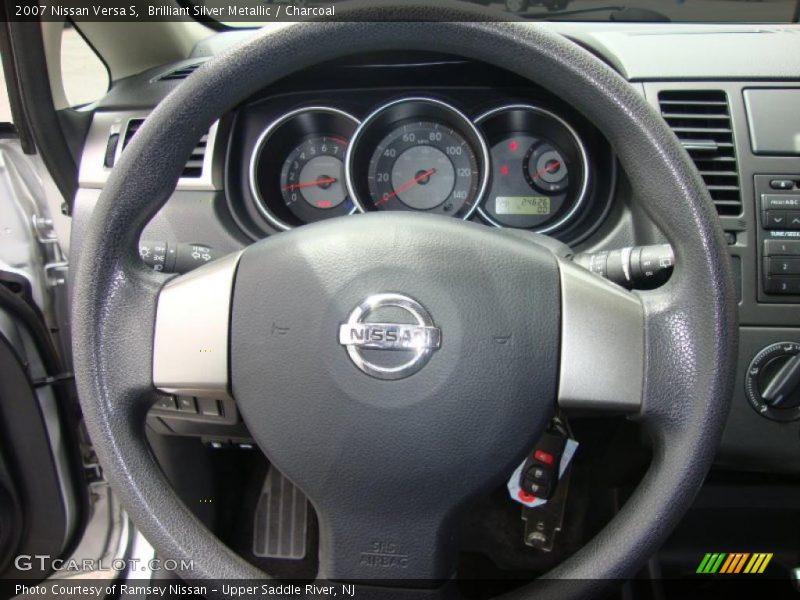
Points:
(400, 299)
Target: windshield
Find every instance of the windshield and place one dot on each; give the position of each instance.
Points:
(253, 13)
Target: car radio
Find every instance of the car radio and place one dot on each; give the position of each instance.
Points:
(778, 201)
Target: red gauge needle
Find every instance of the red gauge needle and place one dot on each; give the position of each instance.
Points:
(404, 186)
(552, 166)
(304, 184)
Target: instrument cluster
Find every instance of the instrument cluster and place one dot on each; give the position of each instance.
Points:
(517, 166)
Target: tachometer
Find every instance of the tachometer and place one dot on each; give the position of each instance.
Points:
(418, 154)
(297, 173)
(312, 178)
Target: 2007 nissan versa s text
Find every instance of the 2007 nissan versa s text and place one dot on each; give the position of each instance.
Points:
(400, 299)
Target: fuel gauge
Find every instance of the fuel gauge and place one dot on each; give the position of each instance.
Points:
(545, 169)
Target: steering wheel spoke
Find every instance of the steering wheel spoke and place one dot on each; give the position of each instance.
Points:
(192, 331)
(602, 344)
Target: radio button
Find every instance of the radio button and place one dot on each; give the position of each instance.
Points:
(775, 219)
(782, 285)
(780, 202)
(781, 184)
(781, 248)
(783, 266)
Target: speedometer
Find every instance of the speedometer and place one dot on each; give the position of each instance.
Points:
(418, 154)
(423, 165)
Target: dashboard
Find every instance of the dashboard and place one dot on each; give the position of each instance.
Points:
(504, 158)
(516, 165)
(459, 138)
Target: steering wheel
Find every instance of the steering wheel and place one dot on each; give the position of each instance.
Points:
(389, 463)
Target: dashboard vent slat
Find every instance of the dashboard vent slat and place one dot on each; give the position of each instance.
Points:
(698, 104)
(718, 173)
(693, 115)
(698, 127)
(130, 130)
(701, 119)
(179, 73)
(194, 166)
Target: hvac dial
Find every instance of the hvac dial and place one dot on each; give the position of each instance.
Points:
(772, 382)
(418, 155)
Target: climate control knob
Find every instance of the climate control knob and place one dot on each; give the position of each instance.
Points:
(772, 383)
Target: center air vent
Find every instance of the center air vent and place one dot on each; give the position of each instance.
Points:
(179, 73)
(194, 166)
(702, 121)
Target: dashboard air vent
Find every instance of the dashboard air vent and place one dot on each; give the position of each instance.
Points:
(194, 166)
(702, 121)
(179, 73)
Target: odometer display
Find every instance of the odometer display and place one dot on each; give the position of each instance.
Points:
(424, 166)
(522, 205)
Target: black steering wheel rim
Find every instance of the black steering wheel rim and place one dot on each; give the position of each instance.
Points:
(690, 327)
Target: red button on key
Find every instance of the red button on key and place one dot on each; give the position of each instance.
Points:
(525, 496)
(543, 456)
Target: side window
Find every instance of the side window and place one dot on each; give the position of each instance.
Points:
(84, 74)
(5, 105)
